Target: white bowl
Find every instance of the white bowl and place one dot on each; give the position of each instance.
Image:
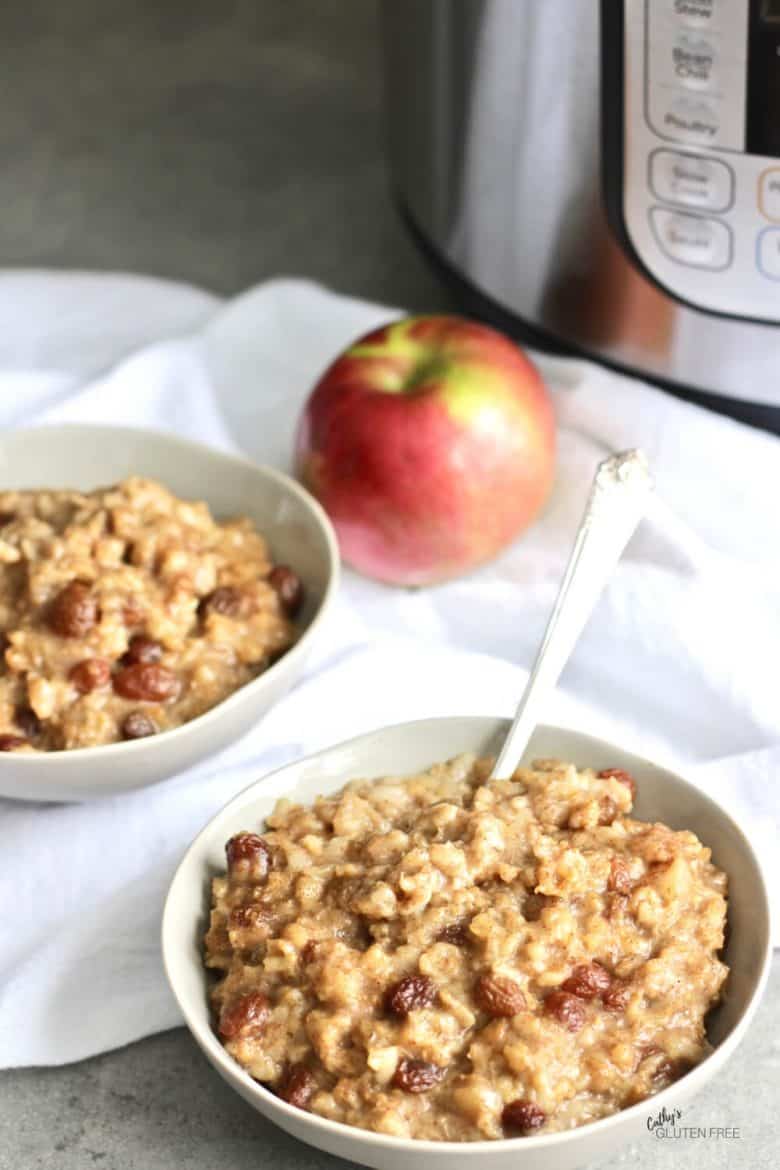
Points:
(410, 747)
(299, 534)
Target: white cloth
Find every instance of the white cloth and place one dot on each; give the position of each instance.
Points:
(679, 660)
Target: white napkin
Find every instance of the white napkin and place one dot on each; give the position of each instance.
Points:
(678, 662)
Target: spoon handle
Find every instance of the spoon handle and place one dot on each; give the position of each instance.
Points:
(617, 500)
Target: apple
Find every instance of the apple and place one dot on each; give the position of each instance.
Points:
(430, 443)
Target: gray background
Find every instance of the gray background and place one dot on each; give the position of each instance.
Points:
(222, 142)
(213, 141)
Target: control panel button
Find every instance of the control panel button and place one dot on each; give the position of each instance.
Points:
(696, 13)
(693, 60)
(769, 253)
(694, 57)
(693, 181)
(692, 239)
(691, 118)
(769, 194)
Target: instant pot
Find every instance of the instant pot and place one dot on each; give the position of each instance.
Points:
(602, 178)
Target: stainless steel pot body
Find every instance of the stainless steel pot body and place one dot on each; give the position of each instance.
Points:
(518, 145)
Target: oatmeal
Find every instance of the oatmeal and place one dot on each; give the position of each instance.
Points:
(126, 611)
(449, 957)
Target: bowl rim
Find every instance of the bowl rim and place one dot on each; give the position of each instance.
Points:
(103, 752)
(233, 1072)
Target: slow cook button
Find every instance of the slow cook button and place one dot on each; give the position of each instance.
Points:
(692, 239)
(769, 253)
(691, 180)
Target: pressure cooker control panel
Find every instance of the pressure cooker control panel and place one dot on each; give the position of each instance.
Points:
(701, 181)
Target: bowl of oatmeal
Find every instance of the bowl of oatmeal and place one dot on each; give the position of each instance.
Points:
(156, 597)
(402, 962)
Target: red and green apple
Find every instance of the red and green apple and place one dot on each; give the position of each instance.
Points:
(430, 442)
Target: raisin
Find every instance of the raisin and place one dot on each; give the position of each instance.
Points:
(410, 994)
(417, 1076)
(6, 518)
(624, 778)
(249, 1013)
(298, 1086)
(9, 743)
(148, 682)
(142, 649)
(225, 600)
(27, 721)
(251, 848)
(588, 980)
(137, 725)
(499, 996)
(522, 1116)
(617, 996)
(90, 674)
(74, 611)
(288, 587)
(620, 880)
(566, 1009)
(457, 934)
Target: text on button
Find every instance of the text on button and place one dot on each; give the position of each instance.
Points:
(691, 180)
(692, 239)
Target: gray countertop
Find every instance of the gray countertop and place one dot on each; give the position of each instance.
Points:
(223, 144)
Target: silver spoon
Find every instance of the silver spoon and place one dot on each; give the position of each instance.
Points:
(617, 501)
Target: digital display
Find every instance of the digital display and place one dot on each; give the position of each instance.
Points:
(762, 129)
